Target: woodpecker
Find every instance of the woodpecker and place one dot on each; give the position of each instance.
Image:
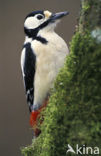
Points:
(43, 55)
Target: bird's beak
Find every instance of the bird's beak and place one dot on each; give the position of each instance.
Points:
(59, 15)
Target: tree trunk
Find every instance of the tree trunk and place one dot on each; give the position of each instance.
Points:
(73, 115)
(90, 17)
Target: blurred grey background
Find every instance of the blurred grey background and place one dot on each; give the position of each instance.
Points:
(15, 130)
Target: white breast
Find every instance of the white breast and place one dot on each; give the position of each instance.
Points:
(50, 58)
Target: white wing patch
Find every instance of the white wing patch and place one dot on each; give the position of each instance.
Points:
(23, 61)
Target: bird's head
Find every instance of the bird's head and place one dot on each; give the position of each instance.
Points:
(38, 20)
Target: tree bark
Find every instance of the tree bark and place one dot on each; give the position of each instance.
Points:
(90, 17)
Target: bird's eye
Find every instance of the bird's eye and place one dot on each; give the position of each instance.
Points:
(39, 17)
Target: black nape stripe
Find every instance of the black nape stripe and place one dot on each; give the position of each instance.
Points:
(32, 33)
(41, 39)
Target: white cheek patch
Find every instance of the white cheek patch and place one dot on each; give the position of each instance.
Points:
(32, 22)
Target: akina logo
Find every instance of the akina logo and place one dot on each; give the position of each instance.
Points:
(83, 150)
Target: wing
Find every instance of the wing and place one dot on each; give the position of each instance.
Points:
(28, 60)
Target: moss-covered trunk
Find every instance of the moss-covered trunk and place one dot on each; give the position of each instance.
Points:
(73, 115)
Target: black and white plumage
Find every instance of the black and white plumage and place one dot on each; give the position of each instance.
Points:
(28, 70)
(42, 56)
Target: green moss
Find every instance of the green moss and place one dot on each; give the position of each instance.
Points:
(85, 6)
(73, 113)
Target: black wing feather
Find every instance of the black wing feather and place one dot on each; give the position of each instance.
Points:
(29, 72)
